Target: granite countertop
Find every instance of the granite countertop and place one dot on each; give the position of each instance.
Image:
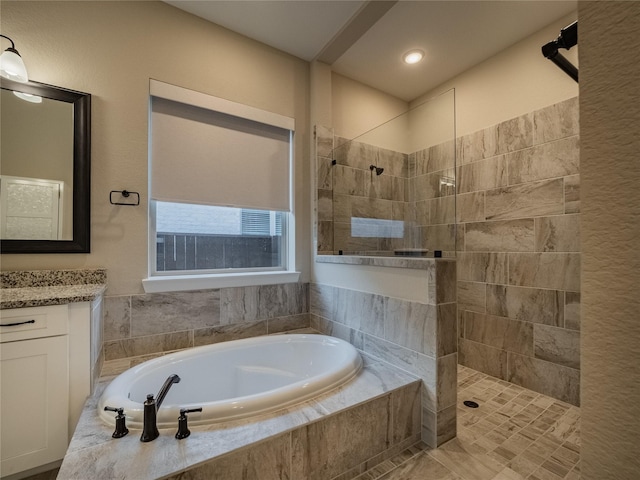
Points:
(43, 296)
(39, 288)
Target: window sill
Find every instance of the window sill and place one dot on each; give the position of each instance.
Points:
(176, 283)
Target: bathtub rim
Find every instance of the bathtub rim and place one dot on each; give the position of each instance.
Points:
(167, 416)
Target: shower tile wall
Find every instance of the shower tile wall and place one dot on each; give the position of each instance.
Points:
(141, 325)
(518, 256)
(350, 190)
(419, 337)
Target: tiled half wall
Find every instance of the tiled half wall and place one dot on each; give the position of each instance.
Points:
(418, 337)
(518, 210)
(142, 326)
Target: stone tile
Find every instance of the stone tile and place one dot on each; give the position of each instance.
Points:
(514, 134)
(349, 181)
(133, 347)
(435, 158)
(442, 210)
(447, 336)
(545, 377)
(321, 300)
(557, 345)
(342, 208)
(381, 186)
(472, 296)
(433, 185)
(327, 327)
(477, 146)
(155, 313)
(405, 413)
(411, 361)
(325, 237)
(499, 332)
(470, 207)
(572, 194)
(239, 305)
(324, 141)
(445, 281)
(556, 121)
(422, 466)
(447, 381)
(482, 267)
(483, 358)
(345, 242)
(354, 154)
(458, 457)
(572, 310)
(559, 271)
(526, 200)
(288, 323)
(446, 424)
(500, 236)
(551, 160)
(412, 325)
(438, 237)
(282, 300)
(483, 175)
(324, 172)
(269, 460)
(526, 304)
(362, 432)
(224, 333)
(558, 234)
(365, 207)
(359, 310)
(117, 317)
(325, 205)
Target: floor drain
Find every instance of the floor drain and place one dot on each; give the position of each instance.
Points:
(470, 404)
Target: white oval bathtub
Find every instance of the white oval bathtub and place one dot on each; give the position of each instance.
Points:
(234, 379)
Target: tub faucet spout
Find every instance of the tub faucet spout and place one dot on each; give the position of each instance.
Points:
(165, 389)
(149, 424)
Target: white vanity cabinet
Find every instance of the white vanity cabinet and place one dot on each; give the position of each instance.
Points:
(45, 378)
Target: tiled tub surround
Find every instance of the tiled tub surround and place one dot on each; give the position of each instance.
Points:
(518, 210)
(337, 435)
(416, 189)
(137, 326)
(419, 338)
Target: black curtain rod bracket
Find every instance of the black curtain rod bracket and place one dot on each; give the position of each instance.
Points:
(568, 38)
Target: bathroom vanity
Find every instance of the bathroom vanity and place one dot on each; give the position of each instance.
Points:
(50, 357)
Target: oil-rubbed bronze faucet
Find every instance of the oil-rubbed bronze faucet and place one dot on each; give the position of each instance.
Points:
(151, 406)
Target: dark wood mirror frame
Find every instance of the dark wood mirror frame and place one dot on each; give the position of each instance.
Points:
(81, 172)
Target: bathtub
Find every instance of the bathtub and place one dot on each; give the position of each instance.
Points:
(234, 379)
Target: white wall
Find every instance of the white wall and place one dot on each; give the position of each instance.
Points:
(111, 50)
(610, 226)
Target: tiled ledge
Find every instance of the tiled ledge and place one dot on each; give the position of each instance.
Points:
(94, 454)
(397, 262)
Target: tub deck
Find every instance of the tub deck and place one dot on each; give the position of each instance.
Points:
(381, 397)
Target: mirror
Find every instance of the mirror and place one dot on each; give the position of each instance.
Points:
(45, 169)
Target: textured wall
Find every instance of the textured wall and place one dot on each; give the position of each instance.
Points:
(610, 222)
(519, 250)
(111, 50)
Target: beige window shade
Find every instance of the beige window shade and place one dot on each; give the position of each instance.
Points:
(203, 156)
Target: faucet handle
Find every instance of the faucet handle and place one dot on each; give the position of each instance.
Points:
(121, 426)
(183, 429)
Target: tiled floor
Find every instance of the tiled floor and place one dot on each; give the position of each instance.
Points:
(514, 434)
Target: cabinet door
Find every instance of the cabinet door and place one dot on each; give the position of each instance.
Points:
(34, 398)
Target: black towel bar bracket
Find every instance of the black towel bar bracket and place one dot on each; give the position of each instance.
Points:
(125, 194)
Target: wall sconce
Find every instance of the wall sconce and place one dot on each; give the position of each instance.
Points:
(11, 64)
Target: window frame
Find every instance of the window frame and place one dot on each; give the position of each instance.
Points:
(176, 280)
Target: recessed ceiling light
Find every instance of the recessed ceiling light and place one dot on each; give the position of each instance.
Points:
(413, 56)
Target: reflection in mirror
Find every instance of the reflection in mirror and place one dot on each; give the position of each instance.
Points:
(390, 191)
(36, 169)
(44, 169)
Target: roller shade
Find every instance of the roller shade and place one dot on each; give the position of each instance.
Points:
(207, 156)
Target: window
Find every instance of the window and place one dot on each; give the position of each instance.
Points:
(220, 183)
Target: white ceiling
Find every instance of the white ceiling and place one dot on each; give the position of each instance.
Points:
(454, 34)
